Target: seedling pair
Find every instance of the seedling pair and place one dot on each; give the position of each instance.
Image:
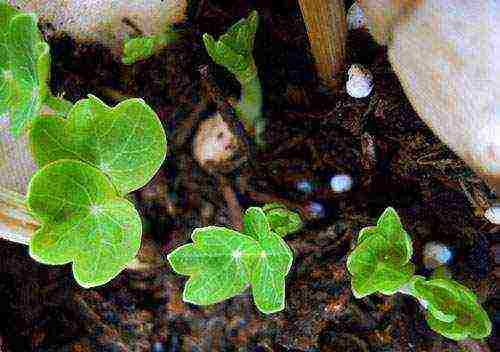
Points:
(380, 263)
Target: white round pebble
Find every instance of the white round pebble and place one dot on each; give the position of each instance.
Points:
(341, 183)
(316, 210)
(436, 254)
(359, 81)
(355, 18)
(493, 214)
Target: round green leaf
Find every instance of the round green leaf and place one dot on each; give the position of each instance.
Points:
(84, 221)
(126, 142)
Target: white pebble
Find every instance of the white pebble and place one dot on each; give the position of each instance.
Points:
(493, 214)
(436, 254)
(359, 81)
(341, 183)
(355, 18)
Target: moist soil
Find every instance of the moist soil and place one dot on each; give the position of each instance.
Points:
(311, 135)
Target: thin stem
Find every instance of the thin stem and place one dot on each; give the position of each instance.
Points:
(249, 108)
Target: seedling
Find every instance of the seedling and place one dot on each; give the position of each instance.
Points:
(381, 263)
(141, 48)
(233, 50)
(89, 161)
(222, 263)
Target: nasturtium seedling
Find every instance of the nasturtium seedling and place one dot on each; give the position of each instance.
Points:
(381, 263)
(24, 67)
(126, 142)
(141, 48)
(452, 309)
(381, 260)
(282, 220)
(222, 263)
(84, 221)
(233, 50)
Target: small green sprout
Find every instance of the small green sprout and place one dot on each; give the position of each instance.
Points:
(222, 263)
(141, 48)
(233, 50)
(381, 263)
(24, 67)
(89, 162)
(282, 220)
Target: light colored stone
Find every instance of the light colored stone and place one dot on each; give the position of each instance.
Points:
(105, 21)
(359, 81)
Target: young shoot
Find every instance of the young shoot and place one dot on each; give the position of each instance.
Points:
(380, 263)
(142, 48)
(222, 263)
(233, 50)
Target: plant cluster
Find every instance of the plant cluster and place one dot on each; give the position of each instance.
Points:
(380, 263)
(90, 157)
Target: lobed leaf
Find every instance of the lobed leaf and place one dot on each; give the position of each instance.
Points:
(126, 142)
(84, 221)
(24, 67)
(380, 261)
(217, 261)
(453, 310)
(221, 263)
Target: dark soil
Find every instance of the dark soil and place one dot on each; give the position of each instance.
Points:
(394, 159)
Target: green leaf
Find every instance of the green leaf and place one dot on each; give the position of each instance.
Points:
(453, 310)
(24, 68)
(221, 263)
(381, 260)
(126, 142)
(233, 50)
(282, 220)
(141, 48)
(84, 221)
(217, 261)
(272, 265)
(255, 222)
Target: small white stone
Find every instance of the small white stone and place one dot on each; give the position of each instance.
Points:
(359, 82)
(436, 254)
(341, 183)
(356, 18)
(493, 214)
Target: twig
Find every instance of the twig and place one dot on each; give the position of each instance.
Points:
(235, 211)
(16, 223)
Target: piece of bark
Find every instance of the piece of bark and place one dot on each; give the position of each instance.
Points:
(327, 30)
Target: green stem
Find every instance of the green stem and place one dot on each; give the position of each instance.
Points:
(249, 108)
